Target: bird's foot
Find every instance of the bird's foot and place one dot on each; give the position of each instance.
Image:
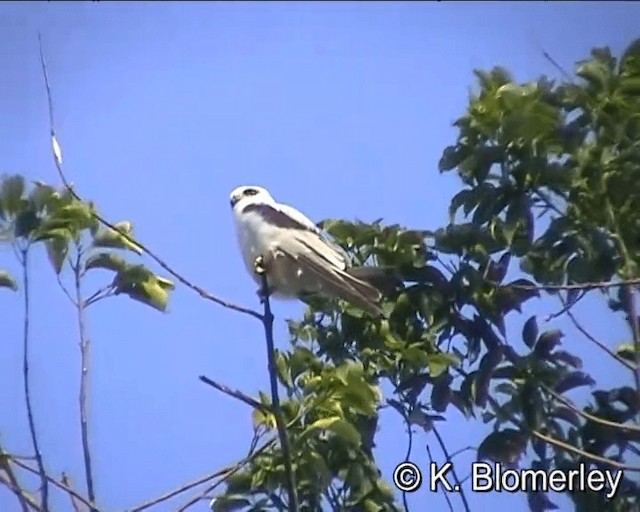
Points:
(261, 266)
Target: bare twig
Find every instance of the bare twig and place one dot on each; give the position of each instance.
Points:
(566, 306)
(64, 289)
(224, 473)
(209, 489)
(58, 163)
(598, 343)
(57, 484)
(590, 285)
(100, 294)
(275, 398)
(591, 417)
(582, 453)
(635, 329)
(446, 494)
(11, 480)
(567, 447)
(26, 502)
(238, 395)
(443, 447)
(27, 391)
(85, 348)
(556, 65)
(77, 506)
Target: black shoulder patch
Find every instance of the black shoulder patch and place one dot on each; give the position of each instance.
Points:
(274, 216)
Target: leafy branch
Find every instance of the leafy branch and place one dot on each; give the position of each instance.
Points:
(44, 484)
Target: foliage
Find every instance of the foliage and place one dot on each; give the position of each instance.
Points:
(550, 172)
(70, 232)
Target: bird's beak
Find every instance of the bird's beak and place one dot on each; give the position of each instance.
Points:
(234, 200)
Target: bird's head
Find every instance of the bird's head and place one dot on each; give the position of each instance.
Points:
(249, 194)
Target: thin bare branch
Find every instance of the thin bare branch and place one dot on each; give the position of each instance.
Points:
(582, 453)
(445, 451)
(591, 285)
(58, 163)
(598, 343)
(11, 480)
(275, 398)
(209, 489)
(57, 484)
(75, 503)
(27, 385)
(85, 348)
(238, 395)
(635, 329)
(567, 447)
(566, 306)
(591, 417)
(446, 494)
(556, 65)
(224, 473)
(64, 289)
(26, 502)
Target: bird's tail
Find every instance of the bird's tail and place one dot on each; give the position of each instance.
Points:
(381, 278)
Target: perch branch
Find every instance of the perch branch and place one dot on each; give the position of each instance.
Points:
(57, 484)
(238, 395)
(267, 320)
(85, 348)
(27, 386)
(445, 451)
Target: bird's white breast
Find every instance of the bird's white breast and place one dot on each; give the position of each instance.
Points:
(254, 238)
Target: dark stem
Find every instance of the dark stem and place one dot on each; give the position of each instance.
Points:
(267, 321)
(12, 481)
(27, 391)
(443, 447)
(446, 493)
(635, 328)
(238, 395)
(84, 378)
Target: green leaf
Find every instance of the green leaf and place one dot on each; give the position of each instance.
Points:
(463, 198)
(594, 72)
(440, 362)
(42, 195)
(530, 332)
(11, 190)
(57, 250)
(626, 351)
(6, 281)
(283, 369)
(142, 285)
(342, 428)
(115, 239)
(574, 380)
(547, 341)
(105, 260)
(229, 502)
(26, 222)
(504, 446)
(61, 234)
(299, 361)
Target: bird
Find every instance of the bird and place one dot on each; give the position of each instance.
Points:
(296, 256)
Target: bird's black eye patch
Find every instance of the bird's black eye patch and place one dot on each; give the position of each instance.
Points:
(250, 192)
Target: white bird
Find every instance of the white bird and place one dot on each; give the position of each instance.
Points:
(298, 259)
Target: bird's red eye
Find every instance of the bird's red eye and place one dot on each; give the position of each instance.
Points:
(250, 192)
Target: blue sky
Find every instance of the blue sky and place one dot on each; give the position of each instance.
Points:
(342, 109)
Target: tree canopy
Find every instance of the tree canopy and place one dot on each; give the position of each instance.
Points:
(550, 173)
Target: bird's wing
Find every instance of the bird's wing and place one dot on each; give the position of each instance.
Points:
(337, 283)
(303, 229)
